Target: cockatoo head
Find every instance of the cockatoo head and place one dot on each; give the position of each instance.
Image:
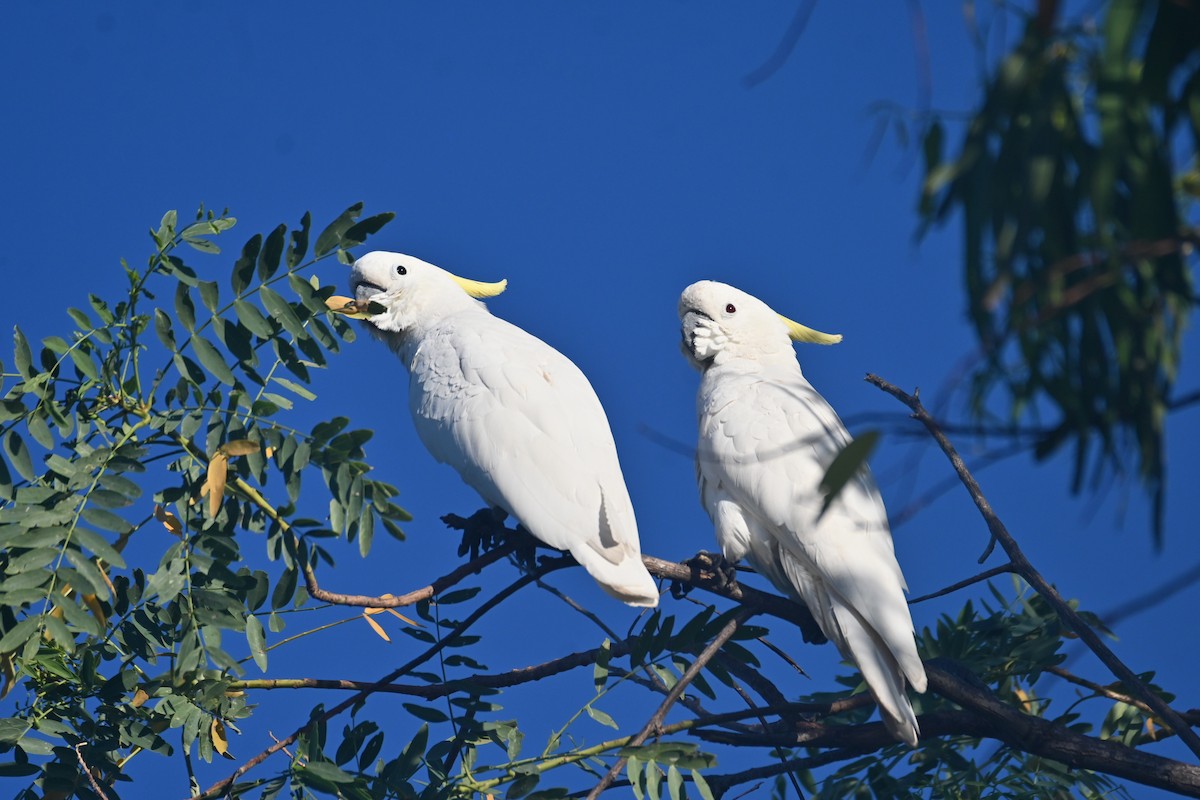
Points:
(414, 292)
(722, 323)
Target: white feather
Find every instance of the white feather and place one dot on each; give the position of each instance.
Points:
(766, 439)
(516, 418)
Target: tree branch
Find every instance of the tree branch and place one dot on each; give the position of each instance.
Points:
(1026, 570)
(224, 786)
(763, 602)
(954, 587)
(982, 716)
(655, 722)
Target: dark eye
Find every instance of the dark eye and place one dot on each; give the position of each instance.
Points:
(730, 308)
(401, 270)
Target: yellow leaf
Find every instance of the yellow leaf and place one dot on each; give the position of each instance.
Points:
(376, 627)
(393, 612)
(269, 452)
(1151, 730)
(93, 603)
(220, 739)
(139, 697)
(218, 472)
(169, 521)
(240, 447)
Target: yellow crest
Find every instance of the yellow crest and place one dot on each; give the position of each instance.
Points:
(479, 289)
(803, 333)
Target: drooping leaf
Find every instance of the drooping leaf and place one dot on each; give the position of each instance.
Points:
(846, 465)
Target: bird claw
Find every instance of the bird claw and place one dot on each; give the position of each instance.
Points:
(713, 568)
(482, 531)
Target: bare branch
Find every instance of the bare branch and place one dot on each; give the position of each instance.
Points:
(762, 602)
(954, 587)
(414, 596)
(1026, 570)
(88, 772)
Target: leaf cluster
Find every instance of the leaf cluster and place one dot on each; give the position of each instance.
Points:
(1075, 182)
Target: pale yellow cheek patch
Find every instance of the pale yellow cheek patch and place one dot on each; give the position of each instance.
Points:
(354, 309)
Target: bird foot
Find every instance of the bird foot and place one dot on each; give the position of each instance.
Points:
(482, 531)
(713, 569)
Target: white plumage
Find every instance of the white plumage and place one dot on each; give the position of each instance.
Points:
(515, 417)
(766, 440)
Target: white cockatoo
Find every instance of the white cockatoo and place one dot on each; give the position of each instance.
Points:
(766, 440)
(515, 417)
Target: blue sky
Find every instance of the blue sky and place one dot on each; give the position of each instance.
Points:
(601, 157)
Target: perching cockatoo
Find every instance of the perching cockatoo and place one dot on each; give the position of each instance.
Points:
(515, 417)
(766, 439)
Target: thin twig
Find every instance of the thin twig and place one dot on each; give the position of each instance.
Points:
(1026, 570)
(88, 772)
(791, 37)
(954, 587)
(655, 722)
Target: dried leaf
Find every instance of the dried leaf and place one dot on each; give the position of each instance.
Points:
(393, 612)
(240, 447)
(220, 739)
(93, 603)
(218, 472)
(376, 627)
(169, 520)
(139, 697)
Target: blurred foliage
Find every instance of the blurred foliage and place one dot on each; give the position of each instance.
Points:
(1076, 183)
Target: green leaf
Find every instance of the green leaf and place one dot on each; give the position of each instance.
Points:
(253, 319)
(20, 633)
(702, 786)
(203, 245)
(295, 387)
(162, 327)
(210, 295)
(185, 309)
(674, 782)
(360, 232)
(106, 520)
(633, 765)
(298, 246)
(99, 545)
(522, 786)
(600, 670)
(272, 250)
(84, 363)
(243, 268)
(426, 713)
(39, 430)
(283, 312)
(327, 772)
(330, 238)
(601, 717)
(412, 755)
(189, 370)
(22, 356)
(257, 639)
(846, 465)
(18, 456)
(366, 531)
(212, 360)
